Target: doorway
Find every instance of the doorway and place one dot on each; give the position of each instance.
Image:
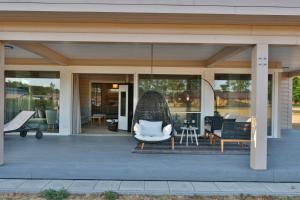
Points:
(106, 103)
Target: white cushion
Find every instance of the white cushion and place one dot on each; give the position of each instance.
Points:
(137, 129)
(229, 116)
(149, 128)
(18, 121)
(242, 119)
(218, 133)
(152, 138)
(226, 116)
(207, 127)
(167, 130)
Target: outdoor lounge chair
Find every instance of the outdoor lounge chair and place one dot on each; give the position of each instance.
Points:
(214, 124)
(152, 121)
(233, 132)
(18, 124)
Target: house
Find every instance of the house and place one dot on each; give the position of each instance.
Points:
(89, 60)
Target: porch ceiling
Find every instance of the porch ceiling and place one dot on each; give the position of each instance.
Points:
(138, 54)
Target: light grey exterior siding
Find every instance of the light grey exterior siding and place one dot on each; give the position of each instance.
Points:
(285, 102)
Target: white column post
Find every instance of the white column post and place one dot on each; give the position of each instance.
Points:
(208, 102)
(290, 103)
(2, 57)
(275, 106)
(259, 107)
(135, 90)
(66, 97)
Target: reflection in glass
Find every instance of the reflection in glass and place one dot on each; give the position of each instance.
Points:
(123, 104)
(104, 100)
(233, 95)
(182, 92)
(35, 91)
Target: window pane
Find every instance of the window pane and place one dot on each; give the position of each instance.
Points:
(233, 95)
(35, 91)
(104, 100)
(182, 92)
(123, 104)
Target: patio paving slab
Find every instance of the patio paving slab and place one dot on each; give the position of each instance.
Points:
(157, 187)
(283, 187)
(103, 186)
(32, 185)
(180, 187)
(132, 186)
(58, 184)
(10, 183)
(229, 187)
(78, 186)
(205, 187)
(253, 188)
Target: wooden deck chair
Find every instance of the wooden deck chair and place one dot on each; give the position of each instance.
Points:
(18, 124)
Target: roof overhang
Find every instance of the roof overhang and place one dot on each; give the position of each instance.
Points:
(228, 7)
(147, 18)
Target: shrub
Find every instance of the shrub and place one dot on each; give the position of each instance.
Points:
(109, 195)
(51, 194)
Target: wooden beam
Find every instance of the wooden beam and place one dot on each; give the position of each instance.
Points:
(43, 51)
(129, 62)
(27, 61)
(225, 53)
(245, 64)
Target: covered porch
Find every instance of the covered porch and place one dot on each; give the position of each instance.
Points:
(111, 158)
(201, 69)
(150, 50)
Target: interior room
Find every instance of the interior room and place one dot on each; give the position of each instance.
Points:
(100, 98)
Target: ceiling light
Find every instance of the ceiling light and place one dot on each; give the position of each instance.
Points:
(115, 85)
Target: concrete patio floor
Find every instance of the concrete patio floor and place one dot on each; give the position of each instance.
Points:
(111, 158)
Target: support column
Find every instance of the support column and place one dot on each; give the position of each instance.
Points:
(135, 90)
(208, 102)
(2, 57)
(275, 106)
(259, 107)
(66, 98)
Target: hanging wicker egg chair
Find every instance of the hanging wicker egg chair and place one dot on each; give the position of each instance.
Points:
(153, 107)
